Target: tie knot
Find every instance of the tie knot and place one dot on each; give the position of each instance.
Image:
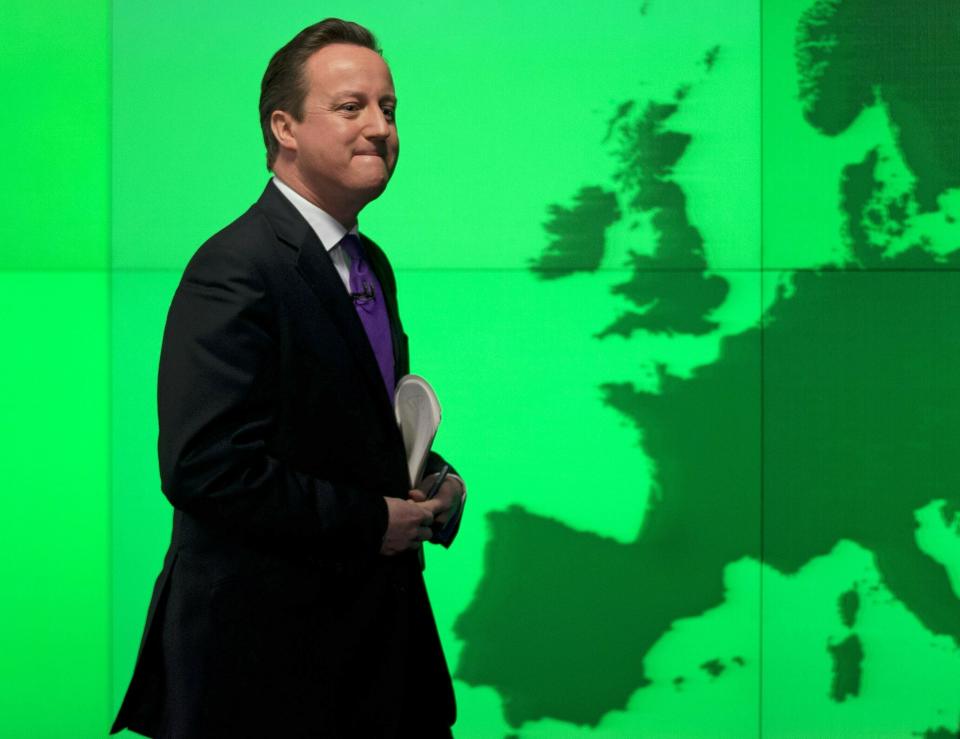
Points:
(351, 244)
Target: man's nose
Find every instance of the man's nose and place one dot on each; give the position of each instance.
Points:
(377, 124)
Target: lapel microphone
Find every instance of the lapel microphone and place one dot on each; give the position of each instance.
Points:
(366, 295)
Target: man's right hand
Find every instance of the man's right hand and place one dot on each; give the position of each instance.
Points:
(408, 524)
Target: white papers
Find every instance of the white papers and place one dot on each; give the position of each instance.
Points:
(418, 415)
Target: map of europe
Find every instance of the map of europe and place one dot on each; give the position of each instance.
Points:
(829, 422)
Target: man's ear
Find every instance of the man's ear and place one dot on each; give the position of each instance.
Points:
(284, 129)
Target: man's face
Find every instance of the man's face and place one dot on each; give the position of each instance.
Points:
(347, 144)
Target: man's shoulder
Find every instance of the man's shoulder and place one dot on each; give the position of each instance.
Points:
(250, 232)
(249, 240)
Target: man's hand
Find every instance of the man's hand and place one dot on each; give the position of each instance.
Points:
(449, 498)
(409, 524)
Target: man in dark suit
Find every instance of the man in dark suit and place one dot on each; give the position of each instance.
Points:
(291, 601)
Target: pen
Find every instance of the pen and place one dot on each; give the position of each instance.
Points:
(435, 488)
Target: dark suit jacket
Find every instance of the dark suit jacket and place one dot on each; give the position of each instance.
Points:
(274, 614)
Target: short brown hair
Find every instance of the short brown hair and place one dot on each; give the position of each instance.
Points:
(284, 85)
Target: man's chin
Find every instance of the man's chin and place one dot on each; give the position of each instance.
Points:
(371, 189)
(374, 178)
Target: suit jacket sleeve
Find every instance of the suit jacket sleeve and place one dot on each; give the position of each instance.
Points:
(218, 400)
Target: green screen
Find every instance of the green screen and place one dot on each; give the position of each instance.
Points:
(684, 276)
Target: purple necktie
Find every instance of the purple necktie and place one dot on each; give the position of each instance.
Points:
(368, 300)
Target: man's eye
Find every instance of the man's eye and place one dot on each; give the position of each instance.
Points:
(350, 107)
(390, 114)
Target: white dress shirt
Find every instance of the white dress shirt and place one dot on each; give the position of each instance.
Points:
(327, 228)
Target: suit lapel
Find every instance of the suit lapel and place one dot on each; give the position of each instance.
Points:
(317, 270)
(316, 267)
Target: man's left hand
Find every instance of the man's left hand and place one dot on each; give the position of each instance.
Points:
(450, 497)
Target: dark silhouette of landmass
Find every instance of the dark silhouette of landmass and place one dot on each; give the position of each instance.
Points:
(556, 635)
(941, 732)
(578, 234)
(847, 656)
(710, 58)
(849, 604)
(847, 660)
(564, 633)
(870, 210)
(906, 51)
(713, 667)
(949, 512)
(670, 288)
(860, 370)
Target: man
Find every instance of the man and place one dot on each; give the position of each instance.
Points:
(291, 601)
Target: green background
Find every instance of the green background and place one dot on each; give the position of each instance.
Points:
(682, 274)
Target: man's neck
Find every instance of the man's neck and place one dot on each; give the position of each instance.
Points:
(344, 213)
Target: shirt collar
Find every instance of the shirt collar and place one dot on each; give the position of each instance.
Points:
(327, 228)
